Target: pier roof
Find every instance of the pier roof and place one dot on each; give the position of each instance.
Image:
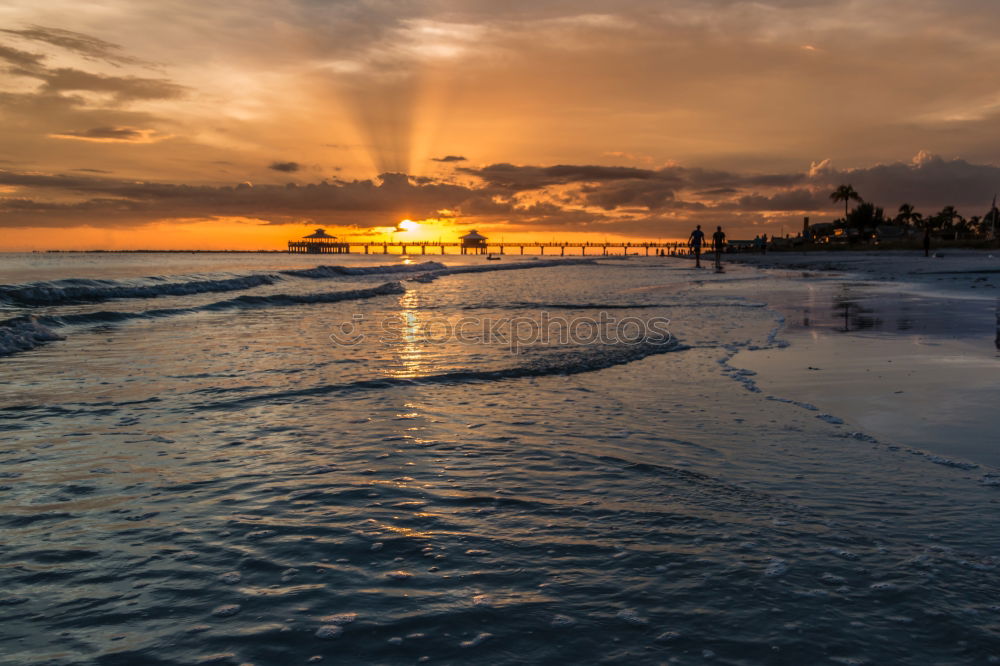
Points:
(320, 233)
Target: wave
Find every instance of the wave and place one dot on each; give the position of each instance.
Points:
(572, 362)
(24, 333)
(429, 269)
(489, 268)
(78, 290)
(336, 271)
(85, 290)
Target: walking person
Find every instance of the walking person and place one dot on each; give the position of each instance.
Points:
(927, 241)
(718, 242)
(695, 241)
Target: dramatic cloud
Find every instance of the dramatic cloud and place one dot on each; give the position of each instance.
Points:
(515, 178)
(630, 202)
(640, 117)
(286, 167)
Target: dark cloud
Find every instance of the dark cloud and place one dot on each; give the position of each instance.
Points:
(286, 167)
(122, 88)
(122, 202)
(449, 158)
(929, 182)
(799, 199)
(633, 202)
(649, 194)
(21, 59)
(519, 178)
(85, 45)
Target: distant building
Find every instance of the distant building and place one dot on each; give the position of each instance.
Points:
(822, 232)
(318, 242)
(473, 241)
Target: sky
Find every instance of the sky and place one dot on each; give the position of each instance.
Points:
(203, 125)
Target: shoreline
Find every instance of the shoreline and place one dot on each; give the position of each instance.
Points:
(906, 351)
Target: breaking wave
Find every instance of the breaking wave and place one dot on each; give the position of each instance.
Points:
(337, 271)
(24, 333)
(77, 290)
(488, 268)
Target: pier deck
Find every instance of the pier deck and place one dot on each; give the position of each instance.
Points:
(552, 248)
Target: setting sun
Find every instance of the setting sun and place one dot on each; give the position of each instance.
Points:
(407, 225)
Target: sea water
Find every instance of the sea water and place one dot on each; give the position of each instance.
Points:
(248, 459)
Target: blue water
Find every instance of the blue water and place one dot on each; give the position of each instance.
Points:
(318, 468)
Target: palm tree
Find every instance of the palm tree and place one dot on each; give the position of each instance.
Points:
(946, 217)
(845, 193)
(908, 215)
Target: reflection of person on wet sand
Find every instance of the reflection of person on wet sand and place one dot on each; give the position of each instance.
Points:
(695, 242)
(718, 242)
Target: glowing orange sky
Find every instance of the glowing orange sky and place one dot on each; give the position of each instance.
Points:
(183, 124)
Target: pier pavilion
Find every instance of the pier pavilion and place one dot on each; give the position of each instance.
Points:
(473, 243)
(319, 242)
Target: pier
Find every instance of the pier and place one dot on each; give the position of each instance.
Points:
(552, 248)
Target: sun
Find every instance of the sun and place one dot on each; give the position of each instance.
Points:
(407, 225)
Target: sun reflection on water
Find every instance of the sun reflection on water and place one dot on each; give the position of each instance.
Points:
(410, 355)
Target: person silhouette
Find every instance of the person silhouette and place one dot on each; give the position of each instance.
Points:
(718, 242)
(927, 241)
(695, 242)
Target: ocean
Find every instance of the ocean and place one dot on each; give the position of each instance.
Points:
(290, 459)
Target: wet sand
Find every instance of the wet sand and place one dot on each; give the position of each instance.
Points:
(899, 346)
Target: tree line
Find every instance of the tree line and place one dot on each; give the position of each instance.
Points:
(947, 221)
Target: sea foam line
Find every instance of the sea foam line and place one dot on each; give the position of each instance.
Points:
(92, 291)
(570, 363)
(86, 290)
(320, 272)
(24, 333)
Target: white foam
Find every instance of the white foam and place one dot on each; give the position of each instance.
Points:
(631, 617)
(260, 534)
(329, 631)
(473, 642)
(340, 619)
(776, 567)
(950, 462)
(226, 611)
(23, 334)
(843, 554)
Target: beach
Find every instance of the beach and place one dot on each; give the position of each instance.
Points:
(897, 343)
(214, 459)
